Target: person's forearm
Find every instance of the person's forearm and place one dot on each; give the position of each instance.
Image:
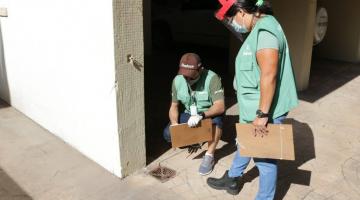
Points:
(216, 109)
(267, 91)
(173, 115)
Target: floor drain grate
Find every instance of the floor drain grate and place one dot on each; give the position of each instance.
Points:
(162, 173)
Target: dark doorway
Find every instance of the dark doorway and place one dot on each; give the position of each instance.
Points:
(178, 27)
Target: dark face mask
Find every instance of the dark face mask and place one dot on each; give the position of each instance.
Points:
(193, 81)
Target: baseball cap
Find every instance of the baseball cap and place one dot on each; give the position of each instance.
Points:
(189, 65)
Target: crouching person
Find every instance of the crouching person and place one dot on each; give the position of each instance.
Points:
(201, 93)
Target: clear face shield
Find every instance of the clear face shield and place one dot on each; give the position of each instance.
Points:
(228, 23)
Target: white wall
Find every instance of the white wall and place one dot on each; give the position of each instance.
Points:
(59, 58)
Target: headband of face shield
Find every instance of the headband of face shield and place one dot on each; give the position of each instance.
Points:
(237, 30)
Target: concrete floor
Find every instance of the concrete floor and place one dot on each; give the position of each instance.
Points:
(34, 164)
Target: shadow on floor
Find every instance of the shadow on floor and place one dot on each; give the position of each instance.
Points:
(9, 189)
(327, 76)
(288, 171)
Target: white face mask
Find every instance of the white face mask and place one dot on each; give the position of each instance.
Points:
(239, 28)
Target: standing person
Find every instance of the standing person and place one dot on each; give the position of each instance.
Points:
(201, 93)
(266, 89)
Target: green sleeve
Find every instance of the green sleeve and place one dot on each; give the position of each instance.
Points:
(216, 89)
(267, 40)
(173, 93)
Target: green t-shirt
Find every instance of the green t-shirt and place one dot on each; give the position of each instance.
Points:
(215, 87)
(267, 40)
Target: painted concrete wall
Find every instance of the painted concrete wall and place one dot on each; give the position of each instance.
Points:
(297, 20)
(342, 41)
(59, 60)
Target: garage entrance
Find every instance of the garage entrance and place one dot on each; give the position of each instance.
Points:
(178, 27)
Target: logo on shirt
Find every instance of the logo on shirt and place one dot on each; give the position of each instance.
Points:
(202, 92)
(247, 51)
(219, 91)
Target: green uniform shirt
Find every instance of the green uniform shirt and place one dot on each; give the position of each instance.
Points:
(208, 89)
(248, 71)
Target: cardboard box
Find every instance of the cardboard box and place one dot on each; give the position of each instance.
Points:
(278, 144)
(183, 135)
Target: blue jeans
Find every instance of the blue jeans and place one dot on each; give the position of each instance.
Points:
(267, 169)
(184, 117)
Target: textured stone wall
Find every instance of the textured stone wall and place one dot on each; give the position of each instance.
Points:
(128, 29)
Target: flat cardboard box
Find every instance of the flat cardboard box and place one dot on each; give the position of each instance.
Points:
(278, 144)
(182, 135)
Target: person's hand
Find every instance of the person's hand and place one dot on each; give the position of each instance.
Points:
(260, 127)
(194, 120)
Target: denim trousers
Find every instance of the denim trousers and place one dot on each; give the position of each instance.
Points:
(267, 170)
(184, 117)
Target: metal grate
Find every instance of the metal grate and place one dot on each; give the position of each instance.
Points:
(163, 173)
